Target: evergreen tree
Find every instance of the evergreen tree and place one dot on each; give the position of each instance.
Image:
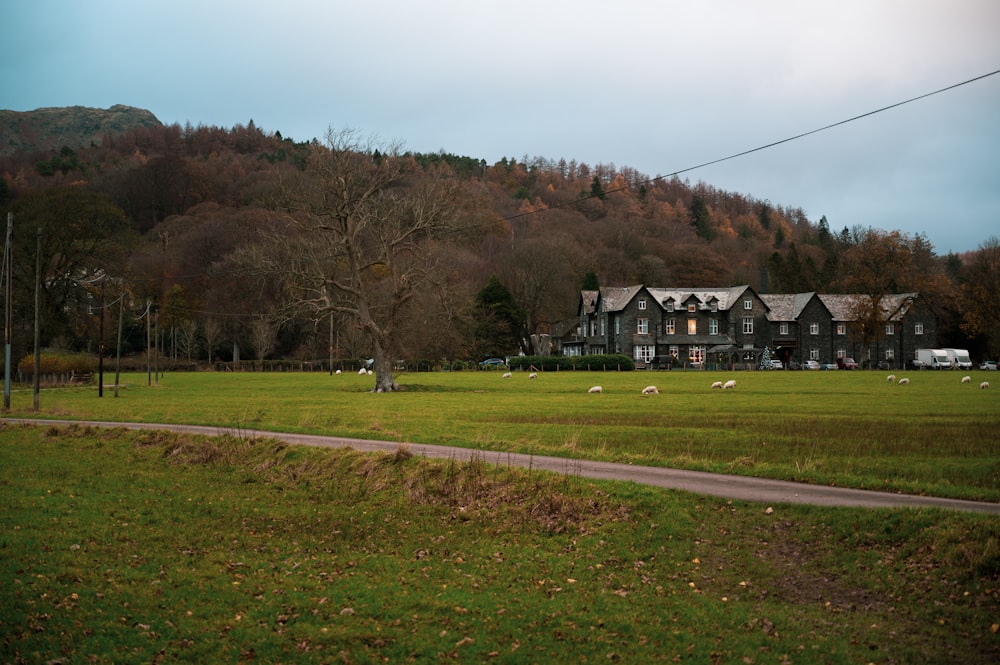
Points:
(765, 358)
(499, 321)
(590, 282)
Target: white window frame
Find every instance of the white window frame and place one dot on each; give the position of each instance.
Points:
(783, 329)
(692, 308)
(618, 325)
(889, 354)
(841, 330)
(642, 304)
(813, 354)
(814, 328)
(670, 305)
(748, 303)
(918, 328)
(747, 325)
(692, 326)
(713, 326)
(644, 352)
(642, 326)
(670, 327)
(674, 351)
(696, 354)
(890, 329)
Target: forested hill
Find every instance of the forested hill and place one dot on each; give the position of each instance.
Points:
(192, 197)
(74, 127)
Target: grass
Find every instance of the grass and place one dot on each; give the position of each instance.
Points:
(933, 436)
(120, 546)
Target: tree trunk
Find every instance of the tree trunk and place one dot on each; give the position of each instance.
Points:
(385, 382)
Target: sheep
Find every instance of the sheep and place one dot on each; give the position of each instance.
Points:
(506, 375)
(729, 385)
(533, 375)
(966, 379)
(650, 390)
(362, 371)
(904, 381)
(984, 385)
(596, 389)
(890, 378)
(338, 371)
(370, 372)
(717, 384)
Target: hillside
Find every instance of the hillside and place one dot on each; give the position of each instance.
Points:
(74, 126)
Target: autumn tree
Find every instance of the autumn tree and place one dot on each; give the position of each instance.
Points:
(878, 264)
(363, 221)
(981, 296)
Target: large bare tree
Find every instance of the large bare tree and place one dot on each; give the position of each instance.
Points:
(363, 221)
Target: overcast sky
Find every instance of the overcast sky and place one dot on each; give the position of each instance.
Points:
(659, 86)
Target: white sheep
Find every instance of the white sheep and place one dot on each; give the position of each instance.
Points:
(904, 381)
(362, 371)
(596, 389)
(966, 379)
(533, 375)
(650, 390)
(338, 371)
(506, 375)
(890, 378)
(729, 385)
(369, 372)
(717, 384)
(984, 385)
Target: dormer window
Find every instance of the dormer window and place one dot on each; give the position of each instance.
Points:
(670, 305)
(691, 307)
(715, 306)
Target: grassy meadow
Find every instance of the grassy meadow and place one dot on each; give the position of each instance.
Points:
(121, 546)
(149, 547)
(934, 436)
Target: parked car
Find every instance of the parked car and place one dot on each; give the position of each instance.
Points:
(846, 363)
(828, 366)
(776, 364)
(492, 363)
(916, 363)
(989, 365)
(811, 364)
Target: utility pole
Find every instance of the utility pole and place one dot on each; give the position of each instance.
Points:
(100, 346)
(8, 262)
(118, 346)
(149, 359)
(36, 381)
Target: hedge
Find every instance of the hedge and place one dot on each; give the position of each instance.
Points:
(611, 362)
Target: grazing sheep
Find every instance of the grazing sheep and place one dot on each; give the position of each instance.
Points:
(533, 375)
(650, 390)
(966, 379)
(362, 371)
(984, 385)
(904, 381)
(717, 384)
(338, 371)
(890, 378)
(506, 375)
(596, 389)
(729, 385)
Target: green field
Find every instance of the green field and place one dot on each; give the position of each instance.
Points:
(934, 436)
(123, 546)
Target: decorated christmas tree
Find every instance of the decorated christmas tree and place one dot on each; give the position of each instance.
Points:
(765, 358)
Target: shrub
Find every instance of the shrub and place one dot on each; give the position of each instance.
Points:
(58, 362)
(609, 362)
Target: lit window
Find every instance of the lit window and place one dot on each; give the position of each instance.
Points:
(642, 326)
(748, 325)
(675, 351)
(696, 354)
(841, 329)
(691, 307)
(692, 326)
(669, 327)
(713, 326)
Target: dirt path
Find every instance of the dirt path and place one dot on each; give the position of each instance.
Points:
(741, 488)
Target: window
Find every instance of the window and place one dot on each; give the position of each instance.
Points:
(783, 329)
(604, 326)
(642, 303)
(696, 354)
(841, 353)
(670, 305)
(918, 328)
(675, 351)
(813, 354)
(642, 326)
(841, 329)
(715, 306)
(692, 326)
(670, 326)
(889, 329)
(644, 352)
(748, 304)
(748, 325)
(618, 326)
(889, 355)
(691, 307)
(593, 328)
(813, 328)
(713, 326)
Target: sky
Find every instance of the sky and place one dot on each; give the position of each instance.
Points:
(657, 86)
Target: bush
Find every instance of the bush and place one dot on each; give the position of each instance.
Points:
(58, 362)
(597, 363)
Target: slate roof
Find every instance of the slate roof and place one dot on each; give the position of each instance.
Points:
(786, 306)
(725, 298)
(894, 305)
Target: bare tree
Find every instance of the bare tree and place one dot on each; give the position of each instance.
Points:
(366, 220)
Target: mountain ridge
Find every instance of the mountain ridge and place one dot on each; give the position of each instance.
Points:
(51, 128)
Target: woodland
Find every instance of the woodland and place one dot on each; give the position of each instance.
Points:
(241, 245)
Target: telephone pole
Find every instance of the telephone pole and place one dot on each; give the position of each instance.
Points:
(8, 261)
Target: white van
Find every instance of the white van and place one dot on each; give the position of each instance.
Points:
(933, 359)
(959, 358)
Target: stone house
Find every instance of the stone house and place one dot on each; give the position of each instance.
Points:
(730, 327)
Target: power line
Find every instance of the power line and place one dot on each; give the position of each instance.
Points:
(775, 143)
